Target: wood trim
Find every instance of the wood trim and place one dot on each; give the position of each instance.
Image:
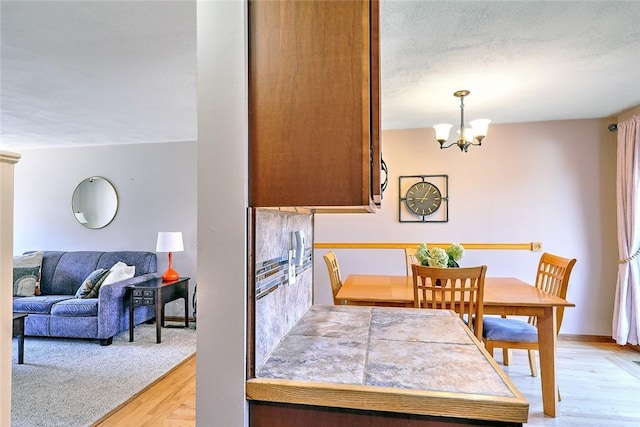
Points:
(594, 338)
(528, 246)
(376, 147)
(370, 208)
(9, 157)
(585, 338)
(365, 102)
(291, 209)
(179, 319)
(481, 407)
(251, 297)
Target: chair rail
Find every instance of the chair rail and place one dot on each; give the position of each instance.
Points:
(526, 246)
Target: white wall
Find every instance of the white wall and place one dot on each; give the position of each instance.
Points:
(552, 182)
(156, 186)
(222, 213)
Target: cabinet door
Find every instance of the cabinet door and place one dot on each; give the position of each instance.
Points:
(376, 125)
(310, 105)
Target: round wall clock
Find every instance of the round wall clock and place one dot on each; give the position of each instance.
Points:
(423, 198)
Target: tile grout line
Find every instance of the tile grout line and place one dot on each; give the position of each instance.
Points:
(366, 352)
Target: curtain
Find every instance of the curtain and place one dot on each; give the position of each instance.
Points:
(626, 313)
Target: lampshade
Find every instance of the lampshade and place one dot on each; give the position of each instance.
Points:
(480, 127)
(442, 131)
(169, 241)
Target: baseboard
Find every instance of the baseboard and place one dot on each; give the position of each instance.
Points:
(593, 338)
(585, 338)
(178, 319)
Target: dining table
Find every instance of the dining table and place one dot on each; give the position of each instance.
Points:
(502, 296)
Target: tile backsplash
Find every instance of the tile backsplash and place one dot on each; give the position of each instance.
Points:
(279, 304)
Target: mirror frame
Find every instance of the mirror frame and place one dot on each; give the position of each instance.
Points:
(91, 209)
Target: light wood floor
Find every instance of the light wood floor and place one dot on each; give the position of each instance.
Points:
(169, 402)
(599, 383)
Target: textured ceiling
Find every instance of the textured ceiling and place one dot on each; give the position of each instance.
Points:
(113, 72)
(97, 72)
(522, 61)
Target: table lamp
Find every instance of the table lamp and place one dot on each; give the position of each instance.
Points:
(170, 241)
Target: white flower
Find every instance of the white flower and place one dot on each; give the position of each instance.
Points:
(455, 251)
(422, 254)
(438, 258)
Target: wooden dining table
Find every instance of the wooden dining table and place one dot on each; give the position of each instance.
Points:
(502, 295)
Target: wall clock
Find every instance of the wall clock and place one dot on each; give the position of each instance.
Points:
(423, 198)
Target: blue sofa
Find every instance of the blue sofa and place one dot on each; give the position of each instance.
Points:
(56, 312)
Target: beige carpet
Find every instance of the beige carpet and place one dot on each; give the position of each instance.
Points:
(70, 382)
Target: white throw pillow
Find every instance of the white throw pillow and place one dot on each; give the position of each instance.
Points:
(118, 265)
(118, 272)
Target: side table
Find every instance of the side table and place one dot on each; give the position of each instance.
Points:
(18, 331)
(157, 293)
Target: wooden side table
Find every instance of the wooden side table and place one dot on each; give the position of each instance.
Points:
(18, 331)
(157, 293)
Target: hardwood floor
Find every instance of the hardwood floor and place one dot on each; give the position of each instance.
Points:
(599, 382)
(169, 402)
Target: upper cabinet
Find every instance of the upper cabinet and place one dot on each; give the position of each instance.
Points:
(314, 105)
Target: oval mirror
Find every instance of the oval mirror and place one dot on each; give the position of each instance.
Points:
(95, 202)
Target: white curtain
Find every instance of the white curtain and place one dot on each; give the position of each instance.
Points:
(626, 313)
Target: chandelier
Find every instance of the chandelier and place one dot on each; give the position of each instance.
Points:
(466, 135)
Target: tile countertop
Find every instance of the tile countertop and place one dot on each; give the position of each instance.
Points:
(404, 360)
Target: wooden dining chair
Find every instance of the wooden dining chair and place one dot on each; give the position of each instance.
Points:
(501, 332)
(410, 258)
(457, 289)
(334, 275)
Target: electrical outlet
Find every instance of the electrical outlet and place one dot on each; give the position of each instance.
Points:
(536, 246)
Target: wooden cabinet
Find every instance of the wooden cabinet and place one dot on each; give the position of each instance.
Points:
(314, 96)
(273, 414)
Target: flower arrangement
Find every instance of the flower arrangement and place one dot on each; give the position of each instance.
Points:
(438, 257)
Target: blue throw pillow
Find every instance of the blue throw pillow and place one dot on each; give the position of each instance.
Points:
(91, 285)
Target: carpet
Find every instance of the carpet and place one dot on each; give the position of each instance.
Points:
(73, 382)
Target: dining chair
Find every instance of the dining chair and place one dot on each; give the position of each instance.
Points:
(410, 258)
(334, 275)
(507, 333)
(457, 289)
